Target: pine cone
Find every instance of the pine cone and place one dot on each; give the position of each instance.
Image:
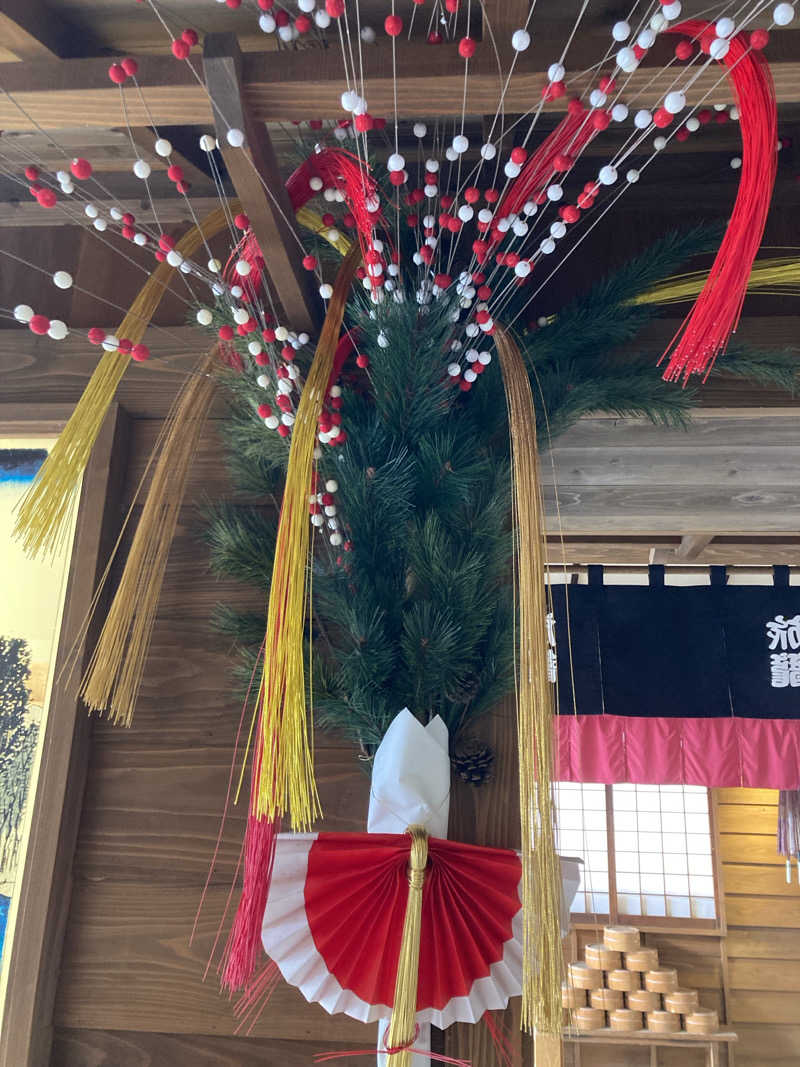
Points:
(473, 761)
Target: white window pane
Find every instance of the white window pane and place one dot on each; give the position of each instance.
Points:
(654, 905)
(676, 863)
(697, 844)
(673, 822)
(594, 820)
(677, 885)
(624, 798)
(570, 840)
(596, 882)
(652, 863)
(701, 887)
(678, 908)
(672, 799)
(700, 865)
(653, 883)
(697, 801)
(650, 843)
(624, 820)
(674, 843)
(647, 799)
(597, 861)
(626, 842)
(628, 861)
(629, 904)
(627, 883)
(599, 904)
(703, 908)
(570, 819)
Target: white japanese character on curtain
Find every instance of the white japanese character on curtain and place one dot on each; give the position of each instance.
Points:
(784, 633)
(785, 669)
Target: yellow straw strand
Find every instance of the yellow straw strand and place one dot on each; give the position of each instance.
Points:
(403, 1024)
(44, 510)
(286, 767)
(115, 670)
(310, 220)
(766, 276)
(541, 872)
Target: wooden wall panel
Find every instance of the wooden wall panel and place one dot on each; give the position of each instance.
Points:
(763, 942)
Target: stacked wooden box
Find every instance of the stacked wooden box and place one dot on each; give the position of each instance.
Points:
(620, 985)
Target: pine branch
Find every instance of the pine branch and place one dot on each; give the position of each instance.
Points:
(779, 368)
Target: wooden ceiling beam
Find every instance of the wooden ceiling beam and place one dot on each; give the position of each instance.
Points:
(282, 86)
(30, 30)
(258, 183)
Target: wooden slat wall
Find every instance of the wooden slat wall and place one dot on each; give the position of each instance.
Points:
(131, 992)
(763, 940)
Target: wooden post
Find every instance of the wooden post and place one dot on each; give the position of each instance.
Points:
(253, 169)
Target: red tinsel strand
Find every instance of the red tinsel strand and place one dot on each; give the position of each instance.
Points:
(706, 330)
(571, 136)
(244, 943)
(256, 996)
(499, 1034)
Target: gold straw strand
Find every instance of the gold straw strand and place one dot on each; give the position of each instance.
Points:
(286, 765)
(541, 873)
(115, 670)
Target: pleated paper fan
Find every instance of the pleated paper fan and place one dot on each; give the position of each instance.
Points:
(334, 921)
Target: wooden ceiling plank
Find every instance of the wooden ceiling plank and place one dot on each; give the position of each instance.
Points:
(254, 170)
(281, 86)
(29, 29)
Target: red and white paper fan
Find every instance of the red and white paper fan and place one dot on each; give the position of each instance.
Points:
(334, 920)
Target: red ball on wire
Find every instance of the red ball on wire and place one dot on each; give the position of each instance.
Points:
(759, 39)
(39, 324)
(81, 169)
(130, 66)
(683, 50)
(175, 173)
(310, 262)
(117, 73)
(466, 47)
(302, 23)
(393, 25)
(140, 353)
(335, 8)
(189, 36)
(662, 118)
(96, 335)
(225, 332)
(180, 49)
(46, 198)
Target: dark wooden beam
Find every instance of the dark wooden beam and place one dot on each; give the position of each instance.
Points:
(278, 86)
(29, 29)
(256, 177)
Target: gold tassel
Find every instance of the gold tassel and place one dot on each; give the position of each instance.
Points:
(45, 508)
(115, 671)
(541, 872)
(286, 768)
(768, 276)
(403, 1025)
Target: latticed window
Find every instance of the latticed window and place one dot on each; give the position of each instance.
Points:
(647, 851)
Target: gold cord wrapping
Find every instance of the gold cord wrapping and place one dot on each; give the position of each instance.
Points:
(285, 764)
(542, 964)
(403, 1026)
(44, 510)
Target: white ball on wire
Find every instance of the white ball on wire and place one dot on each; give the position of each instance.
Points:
(488, 151)
(67, 187)
(336, 539)
(693, 124)
(208, 143)
(115, 214)
(557, 229)
(63, 176)
(519, 227)
(286, 33)
(554, 192)
(235, 137)
(646, 39)
(783, 14)
(430, 190)
(243, 268)
(736, 163)
(512, 169)
(484, 358)
(632, 176)
(674, 102)
(597, 98)
(185, 267)
(642, 119)
(287, 418)
(520, 40)
(733, 113)
(214, 266)
(281, 334)
(367, 35)
(254, 348)
(57, 330)
(547, 246)
(672, 11)
(724, 27)
(659, 143)
(111, 343)
(395, 162)
(140, 239)
(607, 175)
(420, 129)
(267, 23)
(485, 215)
(141, 168)
(326, 291)
(322, 18)
(163, 147)
(240, 316)
(100, 225)
(453, 369)
(466, 212)
(556, 72)
(23, 313)
(619, 112)
(621, 30)
(529, 208)
(470, 375)
(262, 381)
(236, 291)
(315, 184)
(62, 279)
(306, 6)
(450, 155)
(272, 422)
(719, 48)
(174, 258)
(460, 143)
(626, 60)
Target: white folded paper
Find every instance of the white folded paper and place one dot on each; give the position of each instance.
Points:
(410, 785)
